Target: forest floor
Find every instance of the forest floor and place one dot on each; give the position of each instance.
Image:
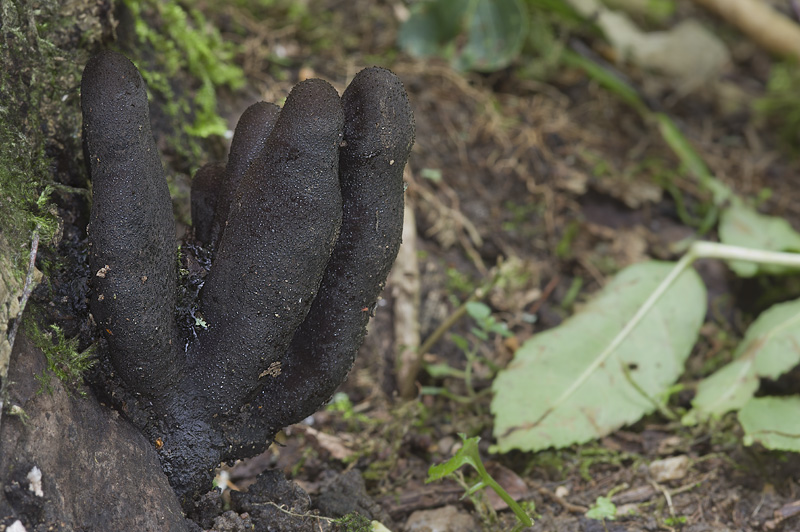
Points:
(569, 183)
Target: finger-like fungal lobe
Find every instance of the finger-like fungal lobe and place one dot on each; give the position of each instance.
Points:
(251, 134)
(284, 219)
(205, 198)
(300, 229)
(132, 230)
(378, 136)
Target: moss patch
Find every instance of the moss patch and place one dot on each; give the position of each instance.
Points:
(64, 361)
(184, 45)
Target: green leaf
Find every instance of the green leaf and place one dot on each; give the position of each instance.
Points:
(743, 226)
(773, 422)
(623, 388)
(603, 508)
(479, 333)
(431, 26)
(468, 454)
(483, 35)
(770, 347)
(461, 342)
(495, 34)
(478, 311)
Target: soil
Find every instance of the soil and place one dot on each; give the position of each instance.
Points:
(565, 181)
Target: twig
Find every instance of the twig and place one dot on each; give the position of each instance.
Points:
(405, 283)
(574, 508)
(548, 290)
(666, 494)
(26, 293)
(769, 28)
(27, 289)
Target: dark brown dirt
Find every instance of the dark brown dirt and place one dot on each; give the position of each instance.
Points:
(568, 181)
(522, 164)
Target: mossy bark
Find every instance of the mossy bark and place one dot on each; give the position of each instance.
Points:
(90, 458)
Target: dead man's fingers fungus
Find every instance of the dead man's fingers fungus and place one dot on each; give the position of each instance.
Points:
(302, 225)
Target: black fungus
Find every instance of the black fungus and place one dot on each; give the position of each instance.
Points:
(301, 228)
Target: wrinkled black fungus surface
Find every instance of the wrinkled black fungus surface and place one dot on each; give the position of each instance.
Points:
(131, 232)
(251, 134)
(207, 182)
(302, 226)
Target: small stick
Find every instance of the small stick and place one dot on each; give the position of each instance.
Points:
(27, 289)
(574, 508)
(26, 293)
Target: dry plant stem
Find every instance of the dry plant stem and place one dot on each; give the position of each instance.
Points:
(26, 293)
(574, 508)
(699, 250)
(406, 287)
(667, 496)
(546, 293)
(767, 27)
(27, 288)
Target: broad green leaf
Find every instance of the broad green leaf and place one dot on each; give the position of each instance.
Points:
(495, 34)
(624, 388)
(770, 347)
(483, 35)
(773, 422)
(431, 26)
(603, 508)
(743, 226)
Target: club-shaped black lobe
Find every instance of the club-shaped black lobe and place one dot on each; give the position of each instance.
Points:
(283, 222)
(132, 235)
(378, 136)
(252, 131)
(305, 221)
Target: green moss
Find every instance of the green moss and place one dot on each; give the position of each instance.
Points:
(353, 522)
(183, 42)
(64, 361)
(27, 83)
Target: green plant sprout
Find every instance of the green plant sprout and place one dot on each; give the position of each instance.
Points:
(602, 509)
(485, 325)
(341, 403)
(698, 250)
(469, 455)
(676, 521)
